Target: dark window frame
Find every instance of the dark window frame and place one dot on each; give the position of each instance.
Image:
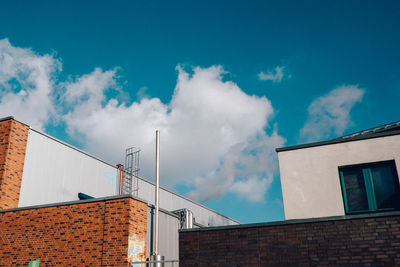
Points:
(369, 189)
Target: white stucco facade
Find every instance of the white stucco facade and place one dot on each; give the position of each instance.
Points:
(310, 176)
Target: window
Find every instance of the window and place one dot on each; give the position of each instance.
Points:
(370, 187)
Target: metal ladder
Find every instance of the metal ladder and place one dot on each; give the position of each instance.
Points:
(130, 182)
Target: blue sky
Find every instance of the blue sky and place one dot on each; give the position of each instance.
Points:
(226, 82)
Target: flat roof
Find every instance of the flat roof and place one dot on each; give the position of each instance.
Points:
(388, 129)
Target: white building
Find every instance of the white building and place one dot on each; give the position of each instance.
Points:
(357, 173)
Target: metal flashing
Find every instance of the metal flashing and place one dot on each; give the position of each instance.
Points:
(14, 119)
(296, 221)
(347, 138)
(7, 118)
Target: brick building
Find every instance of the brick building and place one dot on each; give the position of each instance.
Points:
(353, 240)
(62, 206)
(341, 200)
(96, 232)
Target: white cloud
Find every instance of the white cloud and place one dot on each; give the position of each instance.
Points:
(204, 129)
(85, 96)
(246, 170)
(252, 189)
(330, 114)
(141, 93)
(271, 76)
(26, 84)
(212, 133)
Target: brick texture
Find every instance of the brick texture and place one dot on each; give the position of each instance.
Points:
(95, 233)
(350, 242)
(13, 139)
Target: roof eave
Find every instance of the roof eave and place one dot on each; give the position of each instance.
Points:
(337, 141)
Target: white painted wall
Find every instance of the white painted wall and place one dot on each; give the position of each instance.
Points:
(55, 172)
(310, 176)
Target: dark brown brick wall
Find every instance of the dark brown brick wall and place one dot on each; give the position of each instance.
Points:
(358, 241)
(94, 233)
(13, 139)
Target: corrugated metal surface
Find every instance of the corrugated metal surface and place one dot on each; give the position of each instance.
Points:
(170, 201)
(54, 172)
(168, 234)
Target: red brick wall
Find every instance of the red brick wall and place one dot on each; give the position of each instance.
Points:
(92, 233)
(350, 242)
(13, 139)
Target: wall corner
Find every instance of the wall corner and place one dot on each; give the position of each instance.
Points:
(13, 140)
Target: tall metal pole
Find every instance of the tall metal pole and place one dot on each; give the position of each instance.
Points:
(157, 191)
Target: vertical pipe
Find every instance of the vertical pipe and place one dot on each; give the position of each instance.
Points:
(120, 180)
(157, 191)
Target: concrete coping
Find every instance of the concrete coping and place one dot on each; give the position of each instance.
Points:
(7, 118)
(74, 202)
(14, 119)
(296, 221)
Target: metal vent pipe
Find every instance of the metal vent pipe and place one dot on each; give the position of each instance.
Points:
(157, 191)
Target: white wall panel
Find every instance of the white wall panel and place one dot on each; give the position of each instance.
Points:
(55, 172)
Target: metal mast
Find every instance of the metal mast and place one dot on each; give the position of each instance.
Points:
(157, 191)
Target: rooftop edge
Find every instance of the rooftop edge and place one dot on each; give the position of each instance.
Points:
(338, 140)
(68, 203)
(296, 221)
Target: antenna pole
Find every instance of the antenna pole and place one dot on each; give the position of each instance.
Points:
(157, 191)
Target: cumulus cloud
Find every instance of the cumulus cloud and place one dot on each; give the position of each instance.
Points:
(26, 84)
(213, 134)
(275, 76)
(330, 114)
(141, 93)
(85, 96)
(246, 170)
(205, 129)
(252, 189)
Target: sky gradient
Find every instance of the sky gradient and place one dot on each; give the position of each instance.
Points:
(226, 83)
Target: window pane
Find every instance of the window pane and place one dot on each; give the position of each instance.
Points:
(355, 190)
(384, 187)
